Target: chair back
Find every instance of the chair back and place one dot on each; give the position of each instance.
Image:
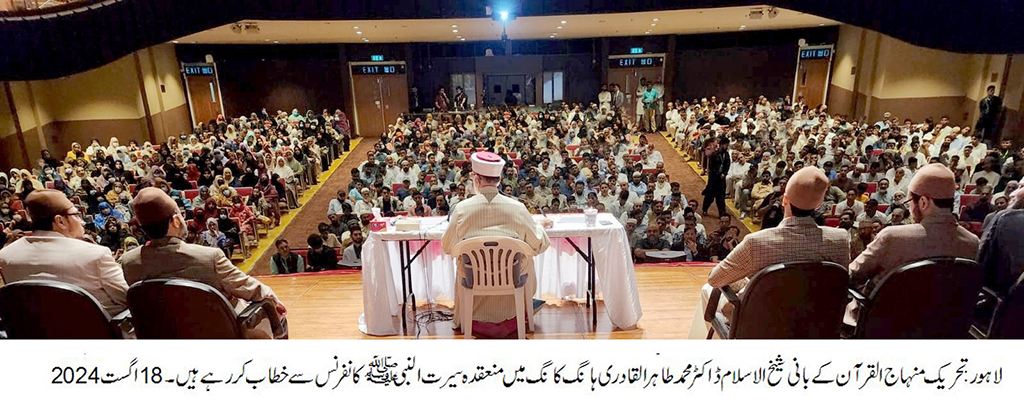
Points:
(43, 309)
(487, 264)
(793, 300)
(181, 308)
(1007, 317)
(930, 298)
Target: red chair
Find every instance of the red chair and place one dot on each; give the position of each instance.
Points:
(519, 162)
(459, 163)
(195, 185)
(513, 155)
(967, 201)
(883, 208)
(429, 178)
(131, 189)
(877, 152)
(49, 184)
(969, 189)
(577, 159)
(396, 187)
(635, 158)
(571, 148)
(872, 187)
(190, 194)
(975, 227)
(244, 191)
(651, 171)
(832, 221)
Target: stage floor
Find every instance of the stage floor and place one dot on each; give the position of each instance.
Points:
(328, 307)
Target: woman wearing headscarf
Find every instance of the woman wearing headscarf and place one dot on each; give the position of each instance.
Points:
(115, 192)
(230, 179)
(5, 183)
(223, 194)
(112, 146)
(129, 244)
(212, 237)
(285, 172)
(243, 213)
(105, 211)
(112, 235)
(76, 152)
(270, 195)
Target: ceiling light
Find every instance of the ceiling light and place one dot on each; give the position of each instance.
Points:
(653, 24)
(455, 30)
(654, 19)
(266, 39)
(364, 39)
(455, 26)
(462, 39)
(277, 42)
(359, 33)
(742, 27)
(552, 36)
(174, 42)
(559, 27)
(821, 25)
(355, 28)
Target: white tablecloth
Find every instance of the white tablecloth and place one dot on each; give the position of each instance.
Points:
(560, 270)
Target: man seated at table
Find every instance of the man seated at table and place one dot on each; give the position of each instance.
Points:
(797, 238)
(489, 213)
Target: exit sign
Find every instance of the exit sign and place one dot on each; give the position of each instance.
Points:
(636, 50)
(376, 58)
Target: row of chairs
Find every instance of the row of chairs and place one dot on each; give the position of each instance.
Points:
(933, 298)
(158, 309)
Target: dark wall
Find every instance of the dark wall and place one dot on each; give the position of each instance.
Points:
(743, 64)
(275, 77)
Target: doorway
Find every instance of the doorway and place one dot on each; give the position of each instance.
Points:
(379, 98)
(497, 87)
(628, 80)
(813, 71)
(204, 97)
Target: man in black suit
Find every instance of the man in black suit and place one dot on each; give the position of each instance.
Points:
(990, 107)
(718, 167)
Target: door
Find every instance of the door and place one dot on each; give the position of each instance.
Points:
(204, 98)
(811, 78)
(379, 101)
(369, 108)
(496, 86)
(394, 89)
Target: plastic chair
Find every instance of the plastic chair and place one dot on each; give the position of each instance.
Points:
(44, 309)
(791, 300)
(182, 308)
(930, 298)
(491, 262)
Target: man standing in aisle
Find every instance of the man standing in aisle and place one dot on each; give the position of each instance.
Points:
(718, 168)
(489, 213)
(989, 107)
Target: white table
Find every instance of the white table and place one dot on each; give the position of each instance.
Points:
(559, 269)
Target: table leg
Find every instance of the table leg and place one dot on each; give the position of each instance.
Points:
(405, 286)
(408, 267)
(592, 276)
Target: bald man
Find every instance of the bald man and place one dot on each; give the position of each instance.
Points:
(797, 238)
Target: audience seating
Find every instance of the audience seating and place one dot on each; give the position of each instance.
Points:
(882, 208)
(931, 298)
(491, 263)
(1007, 314)
(791, 300)
(190, 194)
(44, 309)
(967, 201)
(970, 188)
(872, 187)
(635, 158)
(832, 221)
(181, 308)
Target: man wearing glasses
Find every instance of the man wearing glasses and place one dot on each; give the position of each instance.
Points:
(935, 232)
(167, 255)
(55, 251)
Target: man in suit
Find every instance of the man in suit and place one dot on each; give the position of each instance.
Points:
(797, 238)
(934, 234)
(989, 109)
(168, 256)
(55, 251)
(718, 168)
(489, 213)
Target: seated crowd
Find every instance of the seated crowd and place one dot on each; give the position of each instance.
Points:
(231, 178)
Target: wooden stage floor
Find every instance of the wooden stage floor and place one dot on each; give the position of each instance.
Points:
(328, 307)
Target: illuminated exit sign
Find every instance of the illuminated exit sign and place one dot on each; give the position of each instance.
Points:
(376, 58)
(636, 50)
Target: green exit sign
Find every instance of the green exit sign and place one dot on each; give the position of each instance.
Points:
(376, 58)
(636, 50)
